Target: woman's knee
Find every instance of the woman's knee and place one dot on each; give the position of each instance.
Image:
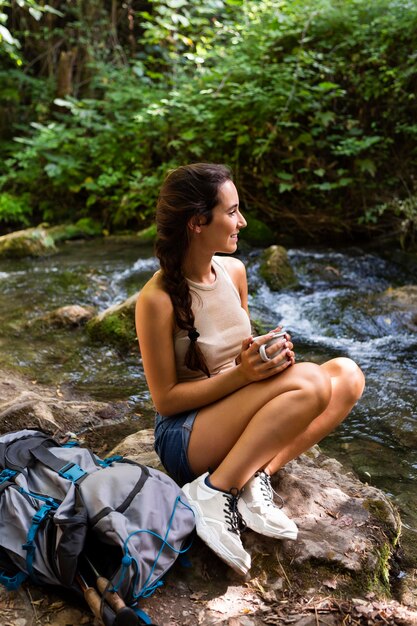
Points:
(351, 376)
(315, 384)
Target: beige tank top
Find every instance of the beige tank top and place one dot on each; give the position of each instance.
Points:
(221, 321)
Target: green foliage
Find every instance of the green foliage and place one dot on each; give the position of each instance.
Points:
(9, 44)
(311, 102)
(401, 212)
(181, 34)
(14, 210)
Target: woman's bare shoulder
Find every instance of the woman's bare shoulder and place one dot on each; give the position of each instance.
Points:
(153, 295)
(234, 266)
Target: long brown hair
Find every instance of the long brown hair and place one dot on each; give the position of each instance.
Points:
(188, 191)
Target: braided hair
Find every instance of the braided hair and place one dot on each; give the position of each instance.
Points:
(188, 191)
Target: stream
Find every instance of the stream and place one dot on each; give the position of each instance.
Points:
(333, 311)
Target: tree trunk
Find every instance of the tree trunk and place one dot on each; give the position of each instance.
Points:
(65, 73)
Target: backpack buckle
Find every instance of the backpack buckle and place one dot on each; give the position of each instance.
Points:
(43, 511)
(12, 582)
(73, 472)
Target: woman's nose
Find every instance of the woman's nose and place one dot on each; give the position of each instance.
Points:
(242, 222)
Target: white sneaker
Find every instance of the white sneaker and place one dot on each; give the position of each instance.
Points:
(217, 522)
(257, 508)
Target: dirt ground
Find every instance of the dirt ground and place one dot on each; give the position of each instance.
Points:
(219, 600)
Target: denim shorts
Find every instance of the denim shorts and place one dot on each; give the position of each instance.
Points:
(172, 436)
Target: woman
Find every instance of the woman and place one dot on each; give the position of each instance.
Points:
(228, 416)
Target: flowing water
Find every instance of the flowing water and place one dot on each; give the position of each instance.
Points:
(337, 309)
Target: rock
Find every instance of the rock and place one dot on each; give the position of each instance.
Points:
(66, 316)
(349, 528)
(28, 242)
(337, 569)
(402, 303)
(139, 447)
(276, 269)
(405, 296)
(82, 229)
(147, 235)
(116, 325)
(29, 405)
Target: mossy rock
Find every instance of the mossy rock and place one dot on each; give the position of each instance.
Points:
(276, 269)
(147, 235)
(34, 242)
(84, 228)
(257, 233)
(115, 325)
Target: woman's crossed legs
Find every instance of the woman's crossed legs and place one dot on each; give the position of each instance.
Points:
(268, 423)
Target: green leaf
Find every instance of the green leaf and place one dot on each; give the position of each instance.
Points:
(366, 166)
(285, 175)
(327, 86)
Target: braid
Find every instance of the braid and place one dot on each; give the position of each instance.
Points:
(188, 191)
(177, 287)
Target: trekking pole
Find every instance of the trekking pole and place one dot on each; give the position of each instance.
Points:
(107, 616)
(125, 616)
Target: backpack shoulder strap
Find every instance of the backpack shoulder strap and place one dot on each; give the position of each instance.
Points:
(70, 471)
(16, 453)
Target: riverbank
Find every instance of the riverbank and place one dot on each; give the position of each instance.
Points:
(342, 565)
(343, 303)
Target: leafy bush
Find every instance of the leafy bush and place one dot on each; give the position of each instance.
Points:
(14, 210)
(312, 103)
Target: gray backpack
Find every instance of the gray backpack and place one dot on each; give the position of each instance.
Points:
(63, 509)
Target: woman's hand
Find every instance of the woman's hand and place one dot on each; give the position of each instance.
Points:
(280, 355)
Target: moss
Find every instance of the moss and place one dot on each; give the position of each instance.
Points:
(68, 279)
(115, 329)
(257, 233)
(384, 553)
(116, 325)
(147, 235)
(85, 227)
(276, 269)
(387, 517)
(313, 574)
(258, 327)
(31, 242)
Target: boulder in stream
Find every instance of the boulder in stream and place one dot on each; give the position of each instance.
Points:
(147, 236)
(29, 242)
(276, 269)
(400, 306)
(402, 302)
(82, 229)
(116, 325)
(69, 316)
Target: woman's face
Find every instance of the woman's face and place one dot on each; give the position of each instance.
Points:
(221, 235)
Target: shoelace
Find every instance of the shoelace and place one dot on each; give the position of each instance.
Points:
(267, 490)
(234, 519)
